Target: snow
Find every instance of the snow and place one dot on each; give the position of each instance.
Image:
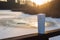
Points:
(55, 38)
(11, 31)
(7, 32)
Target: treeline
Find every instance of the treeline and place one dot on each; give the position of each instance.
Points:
(51, 9)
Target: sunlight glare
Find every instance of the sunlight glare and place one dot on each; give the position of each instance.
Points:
(41, 2)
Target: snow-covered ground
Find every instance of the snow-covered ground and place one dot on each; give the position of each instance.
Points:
(55, 38)
(7, 32)
(10, 24)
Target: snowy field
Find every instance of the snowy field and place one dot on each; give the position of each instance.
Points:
(7, 31)
(10, 24)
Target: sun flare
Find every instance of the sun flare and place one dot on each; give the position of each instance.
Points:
(41, 2)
